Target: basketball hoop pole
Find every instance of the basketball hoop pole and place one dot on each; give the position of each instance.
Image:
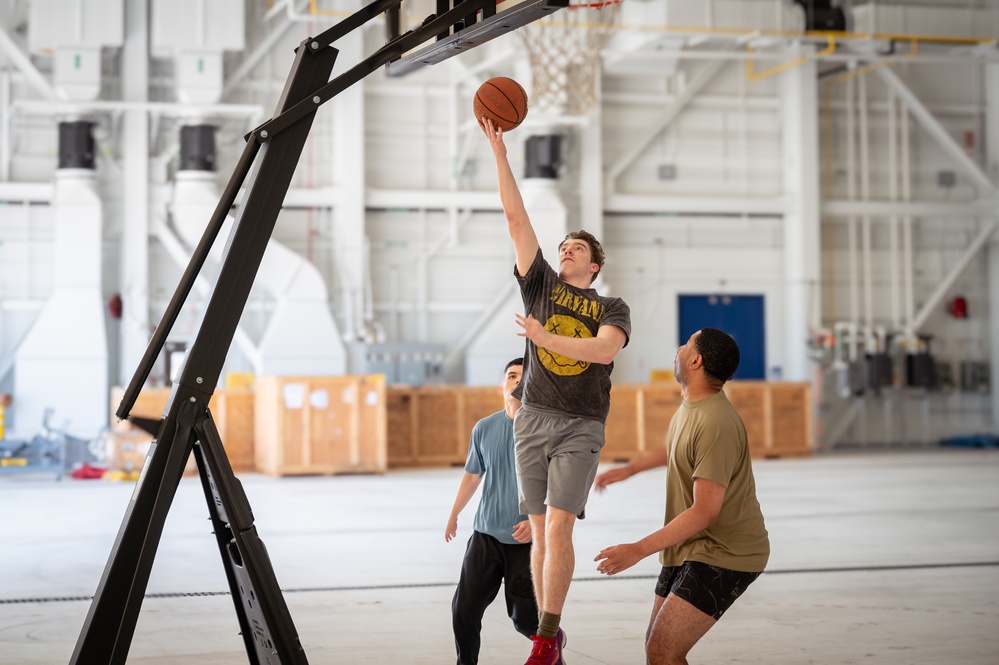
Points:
(268, 163)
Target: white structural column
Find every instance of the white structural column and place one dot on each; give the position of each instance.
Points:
(135, 329)
(798, 91)
(992, 147)
(62, 363)
(349, 165)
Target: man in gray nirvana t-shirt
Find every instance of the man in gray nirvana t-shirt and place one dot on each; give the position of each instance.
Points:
(573, 335)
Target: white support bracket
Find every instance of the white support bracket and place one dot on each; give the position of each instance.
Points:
(24, 64)
(652, 131)
(938, 294)
(937, 131)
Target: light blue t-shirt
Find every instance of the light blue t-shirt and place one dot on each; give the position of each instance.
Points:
(490, 453)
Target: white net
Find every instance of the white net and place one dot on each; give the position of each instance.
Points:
(564, 50)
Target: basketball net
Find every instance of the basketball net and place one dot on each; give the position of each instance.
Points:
(564, 50)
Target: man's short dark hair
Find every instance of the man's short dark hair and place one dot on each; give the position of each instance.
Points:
(596, 251)
(719, 352)
(515, 361)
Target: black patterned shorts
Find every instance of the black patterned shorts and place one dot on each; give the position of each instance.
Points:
(710, 589)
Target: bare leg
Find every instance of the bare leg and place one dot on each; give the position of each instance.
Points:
(538, 557)
(559, 560)
(675, 627)
(656, 604)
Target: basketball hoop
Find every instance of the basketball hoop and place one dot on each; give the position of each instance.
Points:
(564, 50)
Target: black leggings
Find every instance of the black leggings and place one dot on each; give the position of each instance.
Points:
(488, 562)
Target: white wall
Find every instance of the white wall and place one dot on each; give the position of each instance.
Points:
(434, 269)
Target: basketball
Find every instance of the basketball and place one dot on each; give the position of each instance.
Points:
(503, 101)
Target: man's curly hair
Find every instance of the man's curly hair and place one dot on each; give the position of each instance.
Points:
(719, 352)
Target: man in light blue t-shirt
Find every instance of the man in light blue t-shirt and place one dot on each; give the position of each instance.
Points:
(499, 550)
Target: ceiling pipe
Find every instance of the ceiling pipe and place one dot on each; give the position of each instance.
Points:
(34, 107)
(907, 269)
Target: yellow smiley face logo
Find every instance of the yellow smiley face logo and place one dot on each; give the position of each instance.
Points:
(567, 326)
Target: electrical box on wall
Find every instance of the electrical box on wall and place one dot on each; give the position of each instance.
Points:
(408, 364)
(667, 172)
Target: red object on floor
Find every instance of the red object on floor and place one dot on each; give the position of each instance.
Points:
(87, 472)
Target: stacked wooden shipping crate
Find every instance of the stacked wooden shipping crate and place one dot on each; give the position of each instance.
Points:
(232, 409)
(430, 426)
(357, 424)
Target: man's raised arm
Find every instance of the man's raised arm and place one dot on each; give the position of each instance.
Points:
(521, 232)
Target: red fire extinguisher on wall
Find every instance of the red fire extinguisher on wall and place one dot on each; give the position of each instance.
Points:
(958, 307)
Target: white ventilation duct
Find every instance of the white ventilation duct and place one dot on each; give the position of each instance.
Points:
(62, 364)
(301, 336)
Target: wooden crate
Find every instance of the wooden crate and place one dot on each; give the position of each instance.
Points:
(431, 425)
(623, 440)
(777, 415)
(320, 425)
(659, 404)
(792, 428)
(126, 451)
(638, 419)
(752, 400)
(232, 409)
(401, 407)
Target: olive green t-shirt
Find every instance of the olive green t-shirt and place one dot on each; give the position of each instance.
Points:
(708, 440)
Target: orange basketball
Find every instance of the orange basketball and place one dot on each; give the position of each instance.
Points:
(503, 101)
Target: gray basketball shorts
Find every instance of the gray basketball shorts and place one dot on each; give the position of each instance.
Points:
(557, 458)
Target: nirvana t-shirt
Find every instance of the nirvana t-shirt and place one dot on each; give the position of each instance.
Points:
(553, 381)
(707, 439)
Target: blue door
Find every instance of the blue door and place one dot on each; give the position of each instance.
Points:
(739, 316)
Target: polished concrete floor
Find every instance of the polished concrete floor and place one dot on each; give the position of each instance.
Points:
(878, 557)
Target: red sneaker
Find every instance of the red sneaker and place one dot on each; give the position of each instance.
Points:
(545, 651)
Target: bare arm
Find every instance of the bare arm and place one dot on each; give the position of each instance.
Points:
(600, 349)
(466, 490)
(656, 458)
(519, 224)
(708, 497)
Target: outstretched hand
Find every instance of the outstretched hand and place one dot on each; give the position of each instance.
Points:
(534, 330)
(610, 477)
(612, 560)
(495, 136)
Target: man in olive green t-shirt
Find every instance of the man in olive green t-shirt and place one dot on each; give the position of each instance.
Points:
(714, 543)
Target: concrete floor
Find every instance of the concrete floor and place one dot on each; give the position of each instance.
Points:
(877, 558)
